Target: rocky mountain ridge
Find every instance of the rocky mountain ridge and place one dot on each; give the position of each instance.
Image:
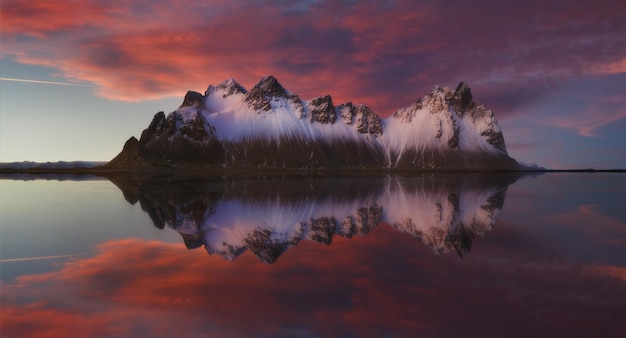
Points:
(270, 127)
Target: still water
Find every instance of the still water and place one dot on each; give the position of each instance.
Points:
(444, 255)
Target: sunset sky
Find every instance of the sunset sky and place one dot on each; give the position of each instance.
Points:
(78, 78)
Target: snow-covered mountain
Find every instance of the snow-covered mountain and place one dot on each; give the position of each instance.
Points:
(270, 127)
(268, 215)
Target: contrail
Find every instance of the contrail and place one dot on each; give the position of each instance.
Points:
(44, 82)
(37, 258)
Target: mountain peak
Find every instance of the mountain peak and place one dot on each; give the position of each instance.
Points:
(267, 89)
(193, 99)
(462, 98)
(229, 87)
(321, 109)
(270, 86)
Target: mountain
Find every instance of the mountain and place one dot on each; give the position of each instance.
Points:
(267, 215)
(270, 127)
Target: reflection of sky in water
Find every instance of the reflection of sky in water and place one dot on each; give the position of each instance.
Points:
(554, 265)
(578, 216)
(49, 218)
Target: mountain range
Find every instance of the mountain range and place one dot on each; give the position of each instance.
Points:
(269, 127)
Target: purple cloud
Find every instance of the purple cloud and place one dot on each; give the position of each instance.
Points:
(384, 54)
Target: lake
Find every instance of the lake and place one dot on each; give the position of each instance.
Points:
(432, 255)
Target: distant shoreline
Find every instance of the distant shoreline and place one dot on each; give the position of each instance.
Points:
(100, 171)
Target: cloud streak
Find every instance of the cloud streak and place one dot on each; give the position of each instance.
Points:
(9, 260)
(44, 82)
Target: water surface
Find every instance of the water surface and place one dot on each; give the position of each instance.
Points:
(306, 256)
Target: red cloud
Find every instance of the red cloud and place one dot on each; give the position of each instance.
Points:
(382, 54)
(42, 19)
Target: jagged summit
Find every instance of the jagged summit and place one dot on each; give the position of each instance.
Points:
(260, 97)
(270, 86)
(321, 109)
(229, 87)
(271, 127)
(193, 99)
(462, 98)
(459, 122)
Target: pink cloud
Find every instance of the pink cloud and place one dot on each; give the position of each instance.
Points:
(382, 54)
(612, 271)
(44, 18)
(617, 67)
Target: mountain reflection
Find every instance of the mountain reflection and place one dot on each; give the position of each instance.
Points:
(268, 214)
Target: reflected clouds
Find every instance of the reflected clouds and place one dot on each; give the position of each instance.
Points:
(361, 287)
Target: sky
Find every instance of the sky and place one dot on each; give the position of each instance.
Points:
(78, 78)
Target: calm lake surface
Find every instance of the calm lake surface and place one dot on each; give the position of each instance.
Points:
(447, 255)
